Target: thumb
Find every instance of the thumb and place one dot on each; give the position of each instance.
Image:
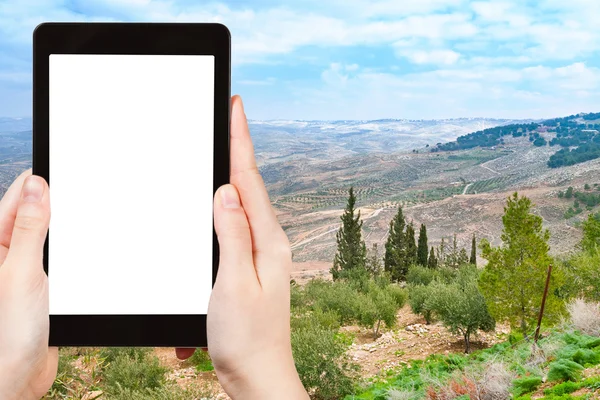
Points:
(31, 224)
(233, 232)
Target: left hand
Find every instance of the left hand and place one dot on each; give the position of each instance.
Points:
(27, 365)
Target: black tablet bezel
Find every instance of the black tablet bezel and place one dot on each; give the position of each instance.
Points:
(143, 39)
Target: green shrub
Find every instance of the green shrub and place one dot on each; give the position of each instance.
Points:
(563, 388)
(460, 305)
(134, 373)
(297, 298)
(321, 362)
(398, 294)
(418, 275)
(66, 376)
(171, 392)
(377, 306)
(525, 385)
(201, 360)
(564, 370)
(417, 298)
(586, 357)
(110, 354)
(341, 298)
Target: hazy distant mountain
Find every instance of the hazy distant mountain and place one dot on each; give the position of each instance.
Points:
(285, 140)
(12, 125)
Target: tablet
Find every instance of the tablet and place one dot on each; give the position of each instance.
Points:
(131, 132)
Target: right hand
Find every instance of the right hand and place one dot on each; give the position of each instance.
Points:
(249, 311)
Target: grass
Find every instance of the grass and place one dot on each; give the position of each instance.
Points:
(119, 373)
(560, 359)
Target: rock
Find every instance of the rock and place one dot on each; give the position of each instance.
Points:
(92, 395)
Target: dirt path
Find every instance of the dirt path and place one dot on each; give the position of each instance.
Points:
(410, 340)
(467, 188)
(310, 239)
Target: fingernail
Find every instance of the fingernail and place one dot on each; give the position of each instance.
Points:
(229, 197)
(33, 189)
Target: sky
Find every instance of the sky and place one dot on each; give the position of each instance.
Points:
(363, 59)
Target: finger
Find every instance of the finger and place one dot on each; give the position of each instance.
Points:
(31, 225)
(235, 243)
(245, 176)
(8, 212)
(184, 353)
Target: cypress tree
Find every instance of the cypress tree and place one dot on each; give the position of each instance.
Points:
(351, 250)
(395, 248)
(432, 261)
(411, 246)
(422, 248)
(473, 259)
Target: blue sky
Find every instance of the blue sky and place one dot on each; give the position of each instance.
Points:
(363, 59)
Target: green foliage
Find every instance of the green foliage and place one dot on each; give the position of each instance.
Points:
(110, 354)
(201, 360)
(513, 280)
(396, 248)
(351, 251)
(66, 376)
(171, 392)
(418, 275)
(377, 306)
(399, 294)
(135, 373)
(410, 256)
(423, 247)
(582, 153)
(460, 306)
(340, 298)
(525, 385)
(582, 276)
(564, 370)
(591, 233)
(374, 266)
(473, 258)
(417, 299)
(321, 362)
(432, 261)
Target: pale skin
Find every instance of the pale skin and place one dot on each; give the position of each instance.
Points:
(249, 314)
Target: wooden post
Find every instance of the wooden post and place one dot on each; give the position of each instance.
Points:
(539, 324)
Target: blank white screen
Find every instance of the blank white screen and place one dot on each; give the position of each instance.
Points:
(131, 184)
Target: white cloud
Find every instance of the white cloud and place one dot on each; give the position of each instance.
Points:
(439, 57)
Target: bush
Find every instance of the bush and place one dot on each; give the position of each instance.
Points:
(525, 385)
(66, 376)
(585, 316)
(582, 272)
(201, 360)
(418, 275)
(563, 388)
(110, 354)
(171, 392)
(321, 362)
(417, 298)
(564, 370)
(377, 306)
(340, 298)
(460, 305)
(134, 373)
(398, 294)
(324, 319)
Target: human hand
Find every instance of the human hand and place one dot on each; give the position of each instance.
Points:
(27, 366)
(249, 311)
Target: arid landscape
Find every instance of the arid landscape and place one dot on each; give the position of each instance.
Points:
(308, 172)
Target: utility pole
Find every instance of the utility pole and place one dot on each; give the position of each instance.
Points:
(539, 324)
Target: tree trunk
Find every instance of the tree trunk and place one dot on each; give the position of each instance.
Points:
(467, 336)
(376, 331)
